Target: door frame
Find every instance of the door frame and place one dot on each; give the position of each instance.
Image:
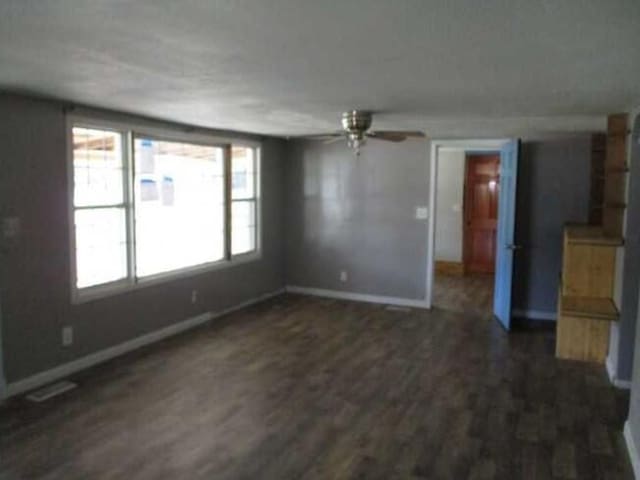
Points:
(437, 146)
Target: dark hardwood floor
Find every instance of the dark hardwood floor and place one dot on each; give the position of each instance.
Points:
(301, 387)
(470, 294)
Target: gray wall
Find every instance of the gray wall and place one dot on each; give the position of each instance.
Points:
(553, 189)
(34, 268)
(633, 420)
(621, 347)
(449, 200)
(358, 215)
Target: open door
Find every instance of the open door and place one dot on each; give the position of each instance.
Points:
(505, 246)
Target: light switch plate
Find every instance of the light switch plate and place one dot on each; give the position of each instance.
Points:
(422, 213)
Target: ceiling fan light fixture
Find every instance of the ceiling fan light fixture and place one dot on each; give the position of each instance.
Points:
(356, 126)
(355, 141)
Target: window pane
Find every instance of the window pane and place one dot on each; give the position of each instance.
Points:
(101, 251)
(242, 172)
(244, 240)
(179, 199)
(97, 167)
(243, 223)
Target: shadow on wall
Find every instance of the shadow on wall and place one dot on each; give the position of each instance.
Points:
(553, 189)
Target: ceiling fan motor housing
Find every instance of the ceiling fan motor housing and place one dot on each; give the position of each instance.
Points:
(356, 123)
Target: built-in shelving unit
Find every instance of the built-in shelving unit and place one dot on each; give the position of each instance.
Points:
(586, 307)
(596, 198)
(615, 175)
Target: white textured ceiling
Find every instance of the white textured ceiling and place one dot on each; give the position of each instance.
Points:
(285, 67)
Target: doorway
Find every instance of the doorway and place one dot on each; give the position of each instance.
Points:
(471, 227)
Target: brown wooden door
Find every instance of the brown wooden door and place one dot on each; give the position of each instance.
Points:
(482, 186)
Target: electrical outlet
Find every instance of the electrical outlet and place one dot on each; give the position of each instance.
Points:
(67, 336)
(344, 276)
(194, 296)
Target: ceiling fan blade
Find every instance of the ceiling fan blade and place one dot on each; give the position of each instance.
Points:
(386, 136)
(395, 135)
(323, 136)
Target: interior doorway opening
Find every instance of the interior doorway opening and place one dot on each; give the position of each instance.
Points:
(466, 226)
(466, 214)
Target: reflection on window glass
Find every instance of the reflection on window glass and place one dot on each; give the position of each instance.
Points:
(101, 246)
(179, 205)
(244, 200)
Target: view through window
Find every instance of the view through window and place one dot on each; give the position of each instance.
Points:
(99, 206)
(179, 199)
(159, 206)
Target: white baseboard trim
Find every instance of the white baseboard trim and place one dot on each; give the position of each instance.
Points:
(633, 451)
(358, 297)
(616, 382)
(66, 369)
(535, 315)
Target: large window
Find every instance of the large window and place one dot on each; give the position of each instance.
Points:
(147, 206)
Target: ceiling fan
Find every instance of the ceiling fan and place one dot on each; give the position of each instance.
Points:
(355, 128)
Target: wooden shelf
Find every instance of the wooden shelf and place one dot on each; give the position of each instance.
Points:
(591, 235)
(589, 307)
(601, 175)
(616, 205)
(620, 170)
(612, 205)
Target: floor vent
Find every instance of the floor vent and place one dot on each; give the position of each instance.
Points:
(50, 391)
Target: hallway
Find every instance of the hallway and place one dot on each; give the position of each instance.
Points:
(470, 294)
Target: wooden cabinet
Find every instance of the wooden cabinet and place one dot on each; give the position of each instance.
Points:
(585, 305)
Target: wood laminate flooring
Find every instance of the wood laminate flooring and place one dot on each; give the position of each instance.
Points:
(311, 388)
(471, 294)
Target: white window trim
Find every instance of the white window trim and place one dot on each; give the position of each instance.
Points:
(129, 130)
(256, 198)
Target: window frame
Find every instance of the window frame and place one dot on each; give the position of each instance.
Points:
(255, 199)
(130, 131)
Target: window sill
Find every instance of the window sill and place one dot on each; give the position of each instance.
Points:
(119, 287)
